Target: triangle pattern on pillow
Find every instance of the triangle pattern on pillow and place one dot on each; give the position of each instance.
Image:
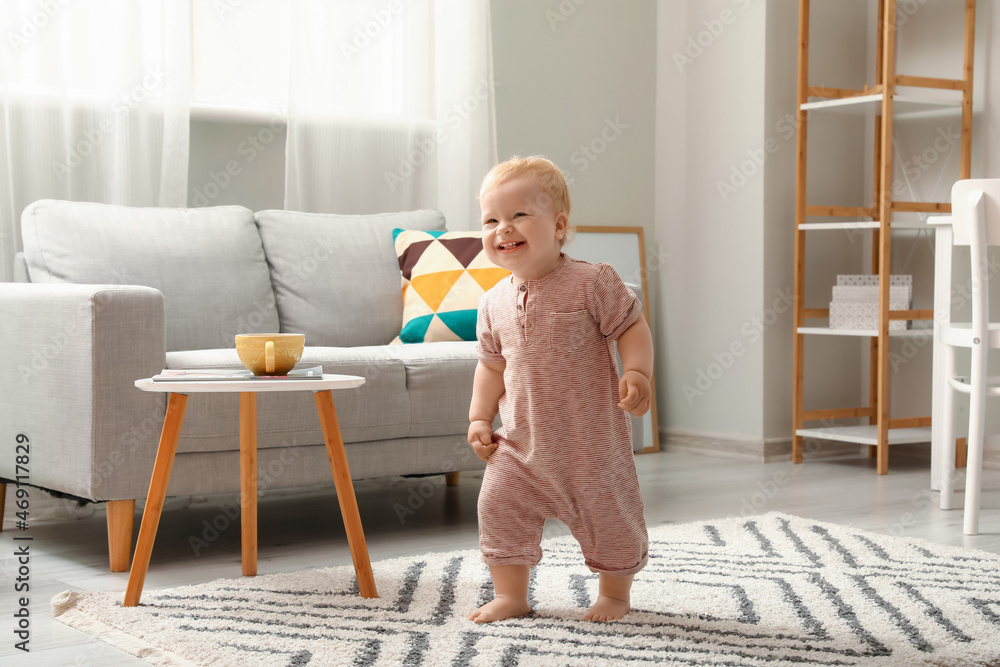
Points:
(415, 330)
(414, 305)
(461, 322)
(465, 250)
(412, 255)
(487, 278)
(465, 293)
(433, 288)
(435, 257)
(481, 261)
(439, 331)
(433, 234)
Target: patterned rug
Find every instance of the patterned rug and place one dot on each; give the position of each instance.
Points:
(767, 590)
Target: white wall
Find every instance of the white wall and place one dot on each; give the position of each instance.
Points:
(255, 156)
(710, 114)
(671, 338)
(779, 213)
(575, 81)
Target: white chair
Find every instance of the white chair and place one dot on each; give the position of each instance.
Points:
(975, 219)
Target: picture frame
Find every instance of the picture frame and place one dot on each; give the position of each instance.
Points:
(624, 248)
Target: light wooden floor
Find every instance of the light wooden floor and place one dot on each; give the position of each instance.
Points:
(303, 530)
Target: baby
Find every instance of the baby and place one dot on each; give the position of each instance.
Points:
(547, 364)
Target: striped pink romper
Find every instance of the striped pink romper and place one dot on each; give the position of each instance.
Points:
(565, 447)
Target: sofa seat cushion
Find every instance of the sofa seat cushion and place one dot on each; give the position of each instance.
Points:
(336, 277)
(439, 381)
(208, 262)
(377, 410)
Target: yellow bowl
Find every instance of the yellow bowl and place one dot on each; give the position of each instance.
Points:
(270, 353)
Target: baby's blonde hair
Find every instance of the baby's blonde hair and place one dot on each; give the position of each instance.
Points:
(537, 167)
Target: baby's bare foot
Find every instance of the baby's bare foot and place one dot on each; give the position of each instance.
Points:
(607, 609)
(500, 608)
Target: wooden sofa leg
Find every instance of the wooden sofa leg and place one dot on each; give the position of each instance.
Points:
(451, 478)
(121, 514)
(3, 497)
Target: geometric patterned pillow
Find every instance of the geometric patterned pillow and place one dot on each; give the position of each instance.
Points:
(443, 276)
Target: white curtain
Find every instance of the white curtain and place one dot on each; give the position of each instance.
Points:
(390, 107)
(94, 105)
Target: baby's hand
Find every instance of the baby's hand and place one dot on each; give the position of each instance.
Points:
(634, 390)
(481, 438)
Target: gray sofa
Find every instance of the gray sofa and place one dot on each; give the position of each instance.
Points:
(110, 294)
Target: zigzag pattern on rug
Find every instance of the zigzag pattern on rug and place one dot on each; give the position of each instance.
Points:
(766, 590)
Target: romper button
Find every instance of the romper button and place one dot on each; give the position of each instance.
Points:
(523, 288)
(520, 307)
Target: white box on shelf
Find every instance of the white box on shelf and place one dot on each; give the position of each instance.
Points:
(872, 279)
(855, 303)
(856, 315)
(869, 293)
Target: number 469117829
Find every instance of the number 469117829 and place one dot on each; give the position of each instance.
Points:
(21, 460)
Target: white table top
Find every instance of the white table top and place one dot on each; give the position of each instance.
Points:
(221, 386)
(940, 220)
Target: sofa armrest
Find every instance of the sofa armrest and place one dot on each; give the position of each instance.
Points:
(73, 353)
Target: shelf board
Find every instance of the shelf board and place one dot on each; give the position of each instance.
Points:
(912, 104)
(867, 434)
(864, 224)
(910, 224)
(915, 332)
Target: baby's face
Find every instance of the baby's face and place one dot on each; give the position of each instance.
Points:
(522, 230)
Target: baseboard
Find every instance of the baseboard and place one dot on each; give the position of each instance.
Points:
(759, 450)
(991, 459)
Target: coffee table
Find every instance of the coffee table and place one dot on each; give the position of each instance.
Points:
(248, 390)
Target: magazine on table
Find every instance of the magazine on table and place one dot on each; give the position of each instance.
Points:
(233, 374)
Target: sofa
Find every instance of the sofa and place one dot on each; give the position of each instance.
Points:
(105, 295)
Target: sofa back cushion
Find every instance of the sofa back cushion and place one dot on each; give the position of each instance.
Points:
(21, 268)
(336, 277)
(208, 263)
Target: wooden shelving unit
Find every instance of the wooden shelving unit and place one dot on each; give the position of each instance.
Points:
(885, 103)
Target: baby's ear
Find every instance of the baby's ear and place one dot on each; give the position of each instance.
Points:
(562, 225)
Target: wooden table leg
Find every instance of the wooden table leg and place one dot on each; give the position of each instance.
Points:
(165, 452)
(248, 480)
(345, 493)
